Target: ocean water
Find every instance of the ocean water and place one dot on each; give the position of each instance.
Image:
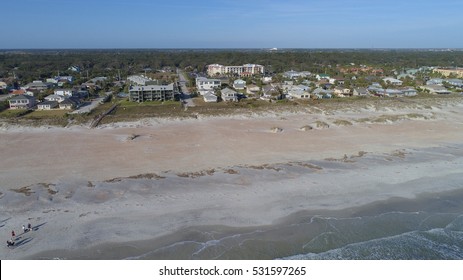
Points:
(434, 232)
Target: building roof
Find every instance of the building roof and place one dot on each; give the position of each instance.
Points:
(48, 102)
(153, 87)
(22, 97)
(228, 91)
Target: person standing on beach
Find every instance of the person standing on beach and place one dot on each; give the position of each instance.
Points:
(13, 234)
(29, 227)
(24, 229)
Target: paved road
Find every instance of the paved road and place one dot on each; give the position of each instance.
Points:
(184, 93)
(88, 106)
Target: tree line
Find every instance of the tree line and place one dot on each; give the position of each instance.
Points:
(31, 65)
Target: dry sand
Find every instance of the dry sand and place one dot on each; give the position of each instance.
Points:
(230, 170)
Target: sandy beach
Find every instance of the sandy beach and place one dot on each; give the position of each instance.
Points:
(89, 191)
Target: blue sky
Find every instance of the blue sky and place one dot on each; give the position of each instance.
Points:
(231, 24)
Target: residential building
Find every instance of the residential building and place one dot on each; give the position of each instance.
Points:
(22, 102)
(152, 93)
(405, 75)
(209, 96)
(69, 103)
(322, 77)
(243, 70)
(141, 80)
(38, 85)
(239, 84)
(3, 85)
(270, 91)
(435, 81)
(435, 89)
(298, 93)
(205, 84)
(392, 81)
(65, 92)
(74, 68)
(267, 80)
(360, 91)
(253, 90)
(47, 105)
(342, 92)
(229, 95)
(55, 97)
(18, 91)
(409, 91)
(458, 72)
(455, 82)
(295, 74)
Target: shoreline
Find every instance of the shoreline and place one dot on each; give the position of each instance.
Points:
(87, 187)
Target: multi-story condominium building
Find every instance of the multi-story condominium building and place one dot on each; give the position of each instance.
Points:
(205, 84)
(449, 71)
(244, 70)
(152, 93)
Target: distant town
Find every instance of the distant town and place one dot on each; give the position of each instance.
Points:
(73, 90)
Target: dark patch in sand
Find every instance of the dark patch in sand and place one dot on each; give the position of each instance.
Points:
(263, 166)
(25, 190)
(48, 186)
(140, 176)
(346, 158)
(231, 171)
(196, 174)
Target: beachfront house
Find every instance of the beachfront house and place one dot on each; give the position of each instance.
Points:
(253, 90)
(392, 81)
(205, 84)
(22, 102)
(229, 95)
(69, 103)
(239, 84)
(68, 92)
(360, 91)
(47, 105)
(209, 97)
(54, 97)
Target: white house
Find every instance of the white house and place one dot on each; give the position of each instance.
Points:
(239, 84)
(54, 97)
(436, 89)
(322, 76)
(22, 102)
(297, 93)
(205, 84)
(64, 92)
(392, 81)
(209, 96)
(47, 105)
(267, 80)
(360, 91)
(253, 90)
(229, 94)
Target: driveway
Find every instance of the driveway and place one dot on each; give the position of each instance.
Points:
(88, 106)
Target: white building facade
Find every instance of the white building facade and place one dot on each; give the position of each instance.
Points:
(243, 70)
